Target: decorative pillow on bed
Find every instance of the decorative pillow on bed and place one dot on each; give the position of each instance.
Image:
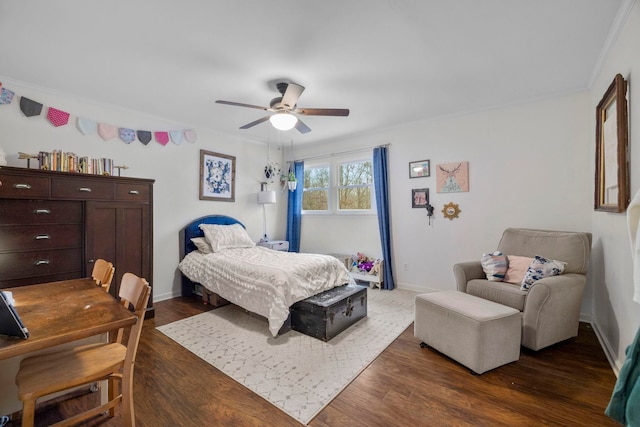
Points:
(494, 266)
(539, 269)
(518, 266)
(226, 236)
(202, 245)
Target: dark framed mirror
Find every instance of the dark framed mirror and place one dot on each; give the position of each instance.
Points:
(612, 160)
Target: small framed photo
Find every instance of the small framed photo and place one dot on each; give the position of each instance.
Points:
(217, 177)
(419, 197)
(419, 169)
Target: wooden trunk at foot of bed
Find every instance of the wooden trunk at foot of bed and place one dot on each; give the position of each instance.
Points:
(325, 315)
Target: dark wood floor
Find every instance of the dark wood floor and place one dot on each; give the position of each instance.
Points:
(566, 385)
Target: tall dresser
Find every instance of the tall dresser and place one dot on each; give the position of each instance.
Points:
(54, 225)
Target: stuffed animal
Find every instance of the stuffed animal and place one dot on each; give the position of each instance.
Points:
(375, 269)
(364, 263)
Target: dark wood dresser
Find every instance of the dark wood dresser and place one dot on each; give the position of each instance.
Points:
(53, 225)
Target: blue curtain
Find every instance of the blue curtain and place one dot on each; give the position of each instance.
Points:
(294, 209)
(381, 184)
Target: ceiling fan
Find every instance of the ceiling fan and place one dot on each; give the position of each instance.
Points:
(285, 109)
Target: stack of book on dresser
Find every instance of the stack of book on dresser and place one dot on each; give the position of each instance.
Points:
(58, 160)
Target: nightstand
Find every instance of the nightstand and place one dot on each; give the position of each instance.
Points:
(276, 245)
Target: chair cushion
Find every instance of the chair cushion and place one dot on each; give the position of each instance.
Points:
(501, 292)
(574, 248)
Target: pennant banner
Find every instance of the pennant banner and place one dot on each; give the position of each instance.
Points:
(29, 107)
(162, 137)
(57, 117)
(86, 126)
(190, 135)
(127, 135)
(6, 96)
(176, 136)
(106, 131)
(144, 136)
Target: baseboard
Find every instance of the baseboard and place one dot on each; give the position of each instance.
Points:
(415, 288)
(606, 347)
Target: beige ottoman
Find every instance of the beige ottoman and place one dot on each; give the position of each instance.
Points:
(478, 333)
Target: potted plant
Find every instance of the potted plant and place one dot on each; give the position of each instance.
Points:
(292, 182)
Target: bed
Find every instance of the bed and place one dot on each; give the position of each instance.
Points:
(260, 280)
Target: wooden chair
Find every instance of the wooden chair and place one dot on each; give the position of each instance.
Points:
(49, 373)
(103, 273)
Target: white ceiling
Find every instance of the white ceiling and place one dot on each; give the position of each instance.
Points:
(389, 61)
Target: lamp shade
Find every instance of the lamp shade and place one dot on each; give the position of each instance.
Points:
(283, 121)
(266, 197)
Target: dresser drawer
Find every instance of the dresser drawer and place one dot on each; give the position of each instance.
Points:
(40, 237)
(17, 265)
(25, 187)
(40, 212)
(133, 192)
(87, 189)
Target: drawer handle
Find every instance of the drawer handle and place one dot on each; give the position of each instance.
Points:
(22, 186)
(42, 237)
(42, 212)
(42, 262)
(136, 192)
(85, 189)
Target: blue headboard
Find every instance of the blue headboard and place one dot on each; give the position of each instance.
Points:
(192, 230)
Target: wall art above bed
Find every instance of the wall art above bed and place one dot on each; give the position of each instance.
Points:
(217, 177)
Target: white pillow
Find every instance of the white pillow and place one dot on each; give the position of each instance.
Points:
(226, 236)
(202, 245)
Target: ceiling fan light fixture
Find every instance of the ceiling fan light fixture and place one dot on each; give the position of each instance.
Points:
(283, 121)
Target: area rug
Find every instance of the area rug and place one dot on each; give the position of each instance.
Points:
(298, 374)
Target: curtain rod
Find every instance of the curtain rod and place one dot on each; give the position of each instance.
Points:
(356, 150)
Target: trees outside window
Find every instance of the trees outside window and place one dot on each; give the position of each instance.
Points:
(344, 186)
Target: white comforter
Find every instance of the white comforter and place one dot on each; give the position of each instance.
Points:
(265, 281)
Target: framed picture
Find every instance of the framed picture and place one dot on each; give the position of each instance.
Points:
(217, 177)
(612, 168)
(419, 169)
(452, 177)
(419, 197)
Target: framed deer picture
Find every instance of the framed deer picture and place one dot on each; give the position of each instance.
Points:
(452, 177)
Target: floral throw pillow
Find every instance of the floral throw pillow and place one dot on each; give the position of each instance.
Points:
(494, 266)
(539, 269)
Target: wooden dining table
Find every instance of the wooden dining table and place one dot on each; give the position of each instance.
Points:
(61, 312)
(58, 315)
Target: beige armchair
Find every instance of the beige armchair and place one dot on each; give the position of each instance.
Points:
(551, 307)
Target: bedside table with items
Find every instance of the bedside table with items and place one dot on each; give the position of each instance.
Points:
(276, 245)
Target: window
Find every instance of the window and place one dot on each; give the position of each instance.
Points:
(354, 186)
(316, 189)
(341, 187)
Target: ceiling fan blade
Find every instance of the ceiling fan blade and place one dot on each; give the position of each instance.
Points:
(322, 111)
(255, 122)
(291, 95)
(239, 104)
(302, 128)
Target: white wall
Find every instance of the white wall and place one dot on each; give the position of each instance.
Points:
(174, 167)
(616, 316)
(529, 166)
